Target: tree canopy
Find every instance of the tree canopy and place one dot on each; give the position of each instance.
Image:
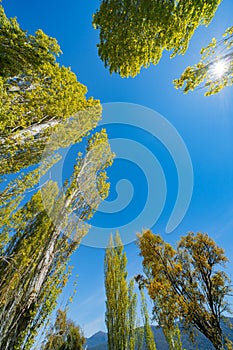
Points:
(134, 34)
(36, 96)
(64, 335)
(20, 51)
(186, 283)
(214, 70)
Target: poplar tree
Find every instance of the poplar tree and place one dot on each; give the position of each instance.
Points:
(43, 235)
(116, 294)
(139, 336)
(148, 334)
(186, 283)
(214, 71)
(36, 96)
(134, 33)
(41, 104)
(173, 337)
(132, 297)
(30, 116)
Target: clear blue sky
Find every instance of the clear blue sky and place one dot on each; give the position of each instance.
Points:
(205, 125)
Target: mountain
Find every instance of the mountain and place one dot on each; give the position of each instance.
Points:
(99, 340)
(103, 346)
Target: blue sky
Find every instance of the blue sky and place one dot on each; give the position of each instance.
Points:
(204, 124)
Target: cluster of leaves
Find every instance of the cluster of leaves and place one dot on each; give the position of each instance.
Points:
(18, 50)
(134, 34)
(217, 55)
(185, 283)
(64, 335)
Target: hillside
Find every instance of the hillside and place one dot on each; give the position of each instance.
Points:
(99, 340)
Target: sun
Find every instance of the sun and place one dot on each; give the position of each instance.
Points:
(219, 68)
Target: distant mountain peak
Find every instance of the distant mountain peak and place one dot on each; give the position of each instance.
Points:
(100, 333)
(97, 339)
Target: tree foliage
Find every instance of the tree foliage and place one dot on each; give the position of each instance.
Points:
(134, 34)
(41, 237)
(64, 335)
(124, 331)
(30, 116)
(117, 295)
(214, 70)
(20, 51)
(42, 105)
(172, 334)
(173, 337)
(186, 283)
(132, 299)
(148, 334)
(36, 96)
(139, 336)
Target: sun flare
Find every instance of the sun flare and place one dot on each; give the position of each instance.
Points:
(219, 68)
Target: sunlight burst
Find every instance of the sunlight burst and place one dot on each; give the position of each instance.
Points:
(219, 68)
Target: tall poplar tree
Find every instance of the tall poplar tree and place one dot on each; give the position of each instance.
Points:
(39, 99)
(43, 234)
(117, 294)
(148, 334)
(120, 316)
(132, 298)
(134, 33)
(139, 336)
(173, 337)
(124, 333)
